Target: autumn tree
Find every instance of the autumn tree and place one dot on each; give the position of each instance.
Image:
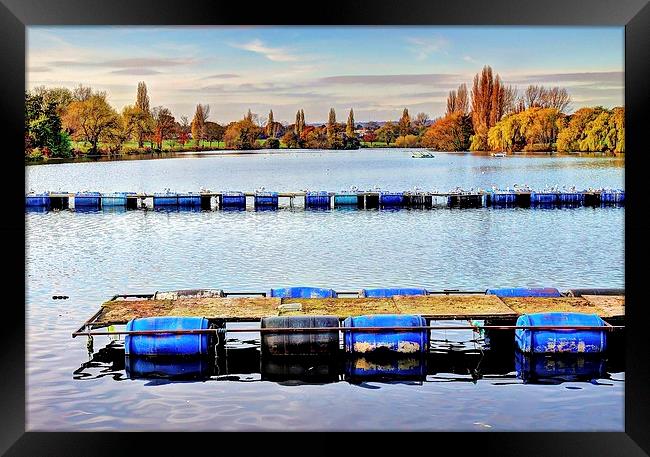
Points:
(489, 104)
(450, 133)
(90, 119)
(331, 125)
(458, 100)
(201, 115)
(370, 137)
(183, 130)
(270, 125)
(164, 125)
(420, 122)
(534, 129)
(541, 97)
(214, 132)
(572, 136)
(123, 129)
(349, 127)
(404, 124)
(242, 134)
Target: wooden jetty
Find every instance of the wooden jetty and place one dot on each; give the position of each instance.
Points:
(252, 306)
(368, 199)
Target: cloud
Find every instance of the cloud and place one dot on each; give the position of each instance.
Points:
(423, 47)
(274, 54)
(415, 79)
(38, 69)
(136, 71)
(593, 78)
(135, 62)
(470, 59)
(222, 76)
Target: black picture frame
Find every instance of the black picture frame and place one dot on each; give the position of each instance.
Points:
(15, 15)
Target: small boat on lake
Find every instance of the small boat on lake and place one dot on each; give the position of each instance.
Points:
(422, 155)
(498, 154)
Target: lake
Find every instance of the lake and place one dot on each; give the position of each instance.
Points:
(92, 256)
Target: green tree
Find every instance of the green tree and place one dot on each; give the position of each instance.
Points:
(214, 132)
(387, 133)
(201, 115)
(571, 137)
(164, 125)
(43, 127)
(143, 127)
(331, 125)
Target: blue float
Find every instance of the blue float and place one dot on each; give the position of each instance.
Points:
(302, 292)
(560, 340)
(386, 368)
(390, 292)
(391, 199)
(525, 292)
(572, 198)
(87, 200)
(165, 199)
(233, 200)
(404, 342)
(162, 344)
(167, 367)
(346, 199)
(612, 197)
(189, 199)
(266, 200)
(544, 198)
(318, 200)
(38, 200)
(503, 199)
(115, 198)
(559, 367)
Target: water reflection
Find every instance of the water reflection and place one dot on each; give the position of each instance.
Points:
(559, 367)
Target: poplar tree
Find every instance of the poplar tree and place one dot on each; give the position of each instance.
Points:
(143, 126)
(198, 122)
(331, 124)
(270, 127)
(349, 128)
(404, 124)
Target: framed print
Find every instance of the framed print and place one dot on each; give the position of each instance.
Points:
(377, 217)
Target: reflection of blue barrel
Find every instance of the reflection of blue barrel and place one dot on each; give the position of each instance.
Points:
(525, 292)
(87, 200)
(266, 200)
(405, 342)
(386, 368)
(189, 200)
(233, 200)
(318, 200)
(612, 197)
(300, 342)
(391, 199)
(165, 199)
(167, 367)
(37, 200)
(346, 199)
(559, 367)
(302, 292)
(167, 344)
(572, 198)
(392, 291)
(561, 340)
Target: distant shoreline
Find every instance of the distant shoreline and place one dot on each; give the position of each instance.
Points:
(235, 152)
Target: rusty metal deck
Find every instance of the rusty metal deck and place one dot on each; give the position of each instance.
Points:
(451, 306)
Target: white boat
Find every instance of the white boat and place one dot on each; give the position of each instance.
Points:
(422, 155)
(498, 154)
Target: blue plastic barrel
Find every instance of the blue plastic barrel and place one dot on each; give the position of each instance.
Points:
(189, 199)
(559, 367)
(612, 197)
(302, 292)
(386, 368)
(266, 200)
(390, 292)
(87, 200)
(167, 367)
(544, 198)
(525, 292)
(115, 198)
(560, 340)
(317, 200)
(233, 200)
(37, 200)
(404, 342)
(167, 344)
(503, 198)
(391, 199)
(345, 199)
(165, 199)
(572, 198)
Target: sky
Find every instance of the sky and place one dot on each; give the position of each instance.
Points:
(377, 71)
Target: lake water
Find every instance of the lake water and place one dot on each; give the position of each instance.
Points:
(92, 256)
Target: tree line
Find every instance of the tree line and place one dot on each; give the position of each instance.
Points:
(487, 116)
